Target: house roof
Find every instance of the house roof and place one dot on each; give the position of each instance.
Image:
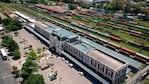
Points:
(51, 8)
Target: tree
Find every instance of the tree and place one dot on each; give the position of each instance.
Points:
(68, 1)
(16, 33)
(118, 4)
(34, 79)
(15, 71)
(9, 43)
(30, 46)
(32, 55)
(39, 50)
(16, 54)
(7, 1)
(14, 68)
(43, 2)
(17, 24)
(28, 68)
(85, 5)
(0, 20)
(43, 48)
(32, 1)
(12, 25)
(6, 21)
(72, 6)
(109, 7)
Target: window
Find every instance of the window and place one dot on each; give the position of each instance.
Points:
(106, 71)
(87, 59)
(91, 61)
(103, 69)
(95, 63)
(111, 74)
(98, 66)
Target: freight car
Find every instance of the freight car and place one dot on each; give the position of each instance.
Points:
(113, 46)
(142, 58)
(90, 29)
(135, 43)
(131, 32)
(127, 51)
(114, 38)
(120, 49)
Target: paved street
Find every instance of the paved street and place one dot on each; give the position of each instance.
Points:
(5, 74)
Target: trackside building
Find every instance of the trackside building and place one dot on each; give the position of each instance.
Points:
(61, 40)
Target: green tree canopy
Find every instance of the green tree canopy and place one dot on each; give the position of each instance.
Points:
(6, 21)
(28, 68)
(7, 1)
(34, 79)
(68, 1)
(32, 55)
(12, 25)
(16, 54)
(72, 6)
(9, 43)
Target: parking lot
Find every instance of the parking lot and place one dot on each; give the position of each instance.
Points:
(66, 74)
(24, 39)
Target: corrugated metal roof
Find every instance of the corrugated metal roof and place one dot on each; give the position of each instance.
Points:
(115, 54)
(58, 31)
(83, 47)
(63, 33)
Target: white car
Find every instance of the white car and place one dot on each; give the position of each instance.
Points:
(63, 59)
(70, 65)
(81, 73)
(66, 62)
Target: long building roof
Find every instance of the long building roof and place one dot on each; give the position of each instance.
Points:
(51, 8)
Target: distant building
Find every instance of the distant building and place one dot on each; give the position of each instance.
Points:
(94, 1)
(51, 9)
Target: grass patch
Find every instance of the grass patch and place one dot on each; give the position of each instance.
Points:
(146, 81)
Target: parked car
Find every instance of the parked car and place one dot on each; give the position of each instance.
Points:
(44, 67)
(66, 62)
(52, 76)
(70, 65)
(63, 59)
(81, 73)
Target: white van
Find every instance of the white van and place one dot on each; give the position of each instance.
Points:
(3, 54)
